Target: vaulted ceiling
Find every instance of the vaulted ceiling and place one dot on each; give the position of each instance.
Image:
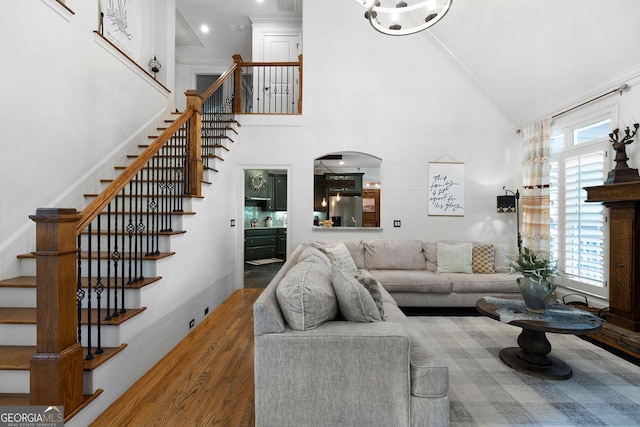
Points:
(532, 57)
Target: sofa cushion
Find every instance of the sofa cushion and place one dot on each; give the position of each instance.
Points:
(355, 302)
(482, 259)
(430, 250)
(412, 281)
(483, 283)
(394, 254)
(373, 286)
(306, 296)
(339, 255)
(454, 258)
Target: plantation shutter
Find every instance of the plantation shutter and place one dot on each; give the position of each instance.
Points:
(584, 226)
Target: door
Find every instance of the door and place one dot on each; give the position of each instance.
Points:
(281, 84)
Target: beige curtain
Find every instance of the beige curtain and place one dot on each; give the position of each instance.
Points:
(535, 182)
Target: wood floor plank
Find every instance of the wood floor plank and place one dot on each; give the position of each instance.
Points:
(206, 380)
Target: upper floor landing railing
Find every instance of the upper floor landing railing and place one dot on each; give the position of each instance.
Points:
(267, 87)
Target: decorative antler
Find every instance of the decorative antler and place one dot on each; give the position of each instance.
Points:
(627, 137)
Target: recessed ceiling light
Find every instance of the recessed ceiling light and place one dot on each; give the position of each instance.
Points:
(204, 29)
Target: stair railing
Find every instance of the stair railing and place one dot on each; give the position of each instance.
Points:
(85, 261)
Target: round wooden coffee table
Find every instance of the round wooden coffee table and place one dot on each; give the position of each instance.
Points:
(532, 356)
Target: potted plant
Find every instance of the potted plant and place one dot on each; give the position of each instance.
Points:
(536, 285)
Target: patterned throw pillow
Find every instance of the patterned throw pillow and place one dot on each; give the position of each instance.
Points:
(454, 258)
(372, 285)
(482, 259)
(340, 256)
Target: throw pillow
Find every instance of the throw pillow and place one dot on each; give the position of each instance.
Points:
(354, 301)
(482, 259)
(340, 256)
(373, 286)
(306, 296)
(454, 258)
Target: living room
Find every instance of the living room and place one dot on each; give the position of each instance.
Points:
(460, 91)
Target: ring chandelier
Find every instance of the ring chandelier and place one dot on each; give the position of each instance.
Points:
(403, 19)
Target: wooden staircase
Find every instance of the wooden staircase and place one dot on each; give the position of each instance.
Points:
(18, 295)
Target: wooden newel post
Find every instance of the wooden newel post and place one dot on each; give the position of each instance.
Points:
(57, 366)
(237, 85)
(194, 100)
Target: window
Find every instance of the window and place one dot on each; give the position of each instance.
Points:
(579, 159)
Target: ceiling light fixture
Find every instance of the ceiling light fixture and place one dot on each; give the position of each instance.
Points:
(204, 29)
(403, 19)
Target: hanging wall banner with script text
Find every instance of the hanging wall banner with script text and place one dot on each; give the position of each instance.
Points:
(446, 189)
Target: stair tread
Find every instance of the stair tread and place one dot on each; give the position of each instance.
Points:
(16, 357)
(105, 255)
(120, 232)
(19, 358)
(30, 282)
(154, 195)
(150, 213)
(27, 316)
(14, 399)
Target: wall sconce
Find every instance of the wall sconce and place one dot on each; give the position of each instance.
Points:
(155, 66)
(509, 203)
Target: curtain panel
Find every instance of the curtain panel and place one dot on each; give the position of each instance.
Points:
(535, 184)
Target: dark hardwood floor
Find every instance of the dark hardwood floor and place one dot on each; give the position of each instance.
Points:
(259, 276)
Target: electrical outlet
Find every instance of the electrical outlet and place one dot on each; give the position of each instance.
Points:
(396, 223)
(192, 323)
(233, 222)
(206, 311)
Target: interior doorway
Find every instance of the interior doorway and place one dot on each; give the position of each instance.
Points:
(265, 224)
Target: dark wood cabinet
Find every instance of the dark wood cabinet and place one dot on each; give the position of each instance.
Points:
(260, 243)
(623, 201)
(281, 243)
(347, 184)
(277, 193)
(265, 243)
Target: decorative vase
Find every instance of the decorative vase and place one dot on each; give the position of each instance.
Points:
(536, 292)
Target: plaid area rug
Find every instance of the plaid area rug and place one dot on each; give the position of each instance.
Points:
(604, 390)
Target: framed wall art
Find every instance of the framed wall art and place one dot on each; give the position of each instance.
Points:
(446, 189)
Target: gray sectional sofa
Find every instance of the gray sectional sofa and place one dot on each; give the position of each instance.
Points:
(410, 272)
(332, 347)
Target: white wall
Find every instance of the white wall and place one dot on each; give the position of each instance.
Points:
(399, 99)
(69, 102)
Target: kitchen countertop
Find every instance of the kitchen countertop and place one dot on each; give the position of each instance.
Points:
(264, 228)
(321, 227)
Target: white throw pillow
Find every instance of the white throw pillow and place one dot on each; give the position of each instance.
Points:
(454, 258)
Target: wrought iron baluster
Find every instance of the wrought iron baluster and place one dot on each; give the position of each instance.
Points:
(89, 355)
(140, 226)
(123, 249)
(80, 293)
(130, 229)
(98, 288)
(109, 261)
